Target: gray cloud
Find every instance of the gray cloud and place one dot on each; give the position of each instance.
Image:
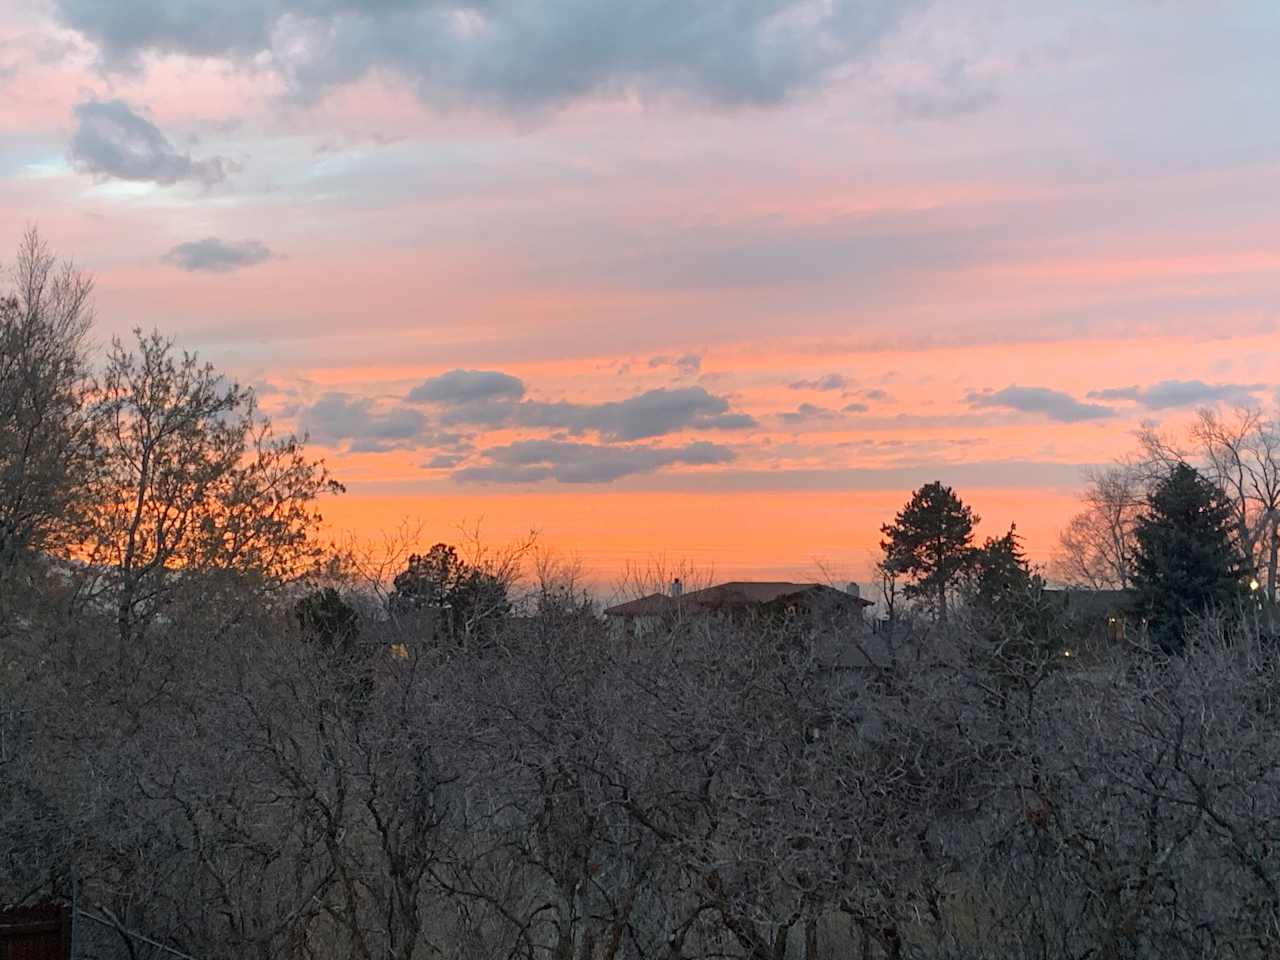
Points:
(965, 476)
(200, 27)
(468, 387)
(1182, 393)
(444, 461)
(111, 140)
(212, 255)
(533, 461)
(651, 414)
(511, 52)
(686, 364)
(807, 413)
(341, 419)
(832, 381)
(1054, 404)
(855, 407)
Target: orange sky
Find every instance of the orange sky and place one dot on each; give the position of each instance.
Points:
(720, 288)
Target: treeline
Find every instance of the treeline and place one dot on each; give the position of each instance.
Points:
(214, 736)
(1236, 453)
(1187, 561)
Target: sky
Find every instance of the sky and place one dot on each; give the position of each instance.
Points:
(717, 281)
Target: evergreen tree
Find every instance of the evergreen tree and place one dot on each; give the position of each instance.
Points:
(999, 573)
(329, 621)
(931, 543)
(466, 598)
(429, 580)
(1188, 561)
(1010, 610)
(332, 627)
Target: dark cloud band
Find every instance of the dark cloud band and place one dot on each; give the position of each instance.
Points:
(510, 52)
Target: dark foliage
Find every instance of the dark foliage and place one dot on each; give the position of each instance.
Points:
(930, 542)
(328, 621)
(466, 600)
(1188, 563)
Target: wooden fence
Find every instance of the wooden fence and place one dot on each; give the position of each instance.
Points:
(35, 933)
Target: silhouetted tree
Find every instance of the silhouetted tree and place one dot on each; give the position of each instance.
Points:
(328, 621)
(1240, 454)
(1019, 628)
(930, 542)
(1095, 551)
(191, 481)
(999, 567)
(1188, 561)
(466, 598)
(47, 450)
(428, 581)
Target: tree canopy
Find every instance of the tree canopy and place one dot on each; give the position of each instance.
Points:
(465, 597)
(191, 477)
(930, 542)
(47, 441)
(1188, 561)
(999, 570)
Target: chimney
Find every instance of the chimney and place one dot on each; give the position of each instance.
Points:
(853, 589)
(677, 588)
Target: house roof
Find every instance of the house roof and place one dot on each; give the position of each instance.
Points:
(1095, 603)
(654, 605)
(735, 593)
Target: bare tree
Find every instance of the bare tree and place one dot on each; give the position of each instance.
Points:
(658, 574)
(1240, 453)
(1243, 451)
(1096, 549)
(193, 481)
(46, 437)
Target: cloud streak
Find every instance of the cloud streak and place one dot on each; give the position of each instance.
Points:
(340, 419)
(461, 387)
(1054, 404)
(491, 400)
(212, 255)
(807, 413)
(832, 381)
(687, 364)
(1168, 394)
(112, 141)
(535, 461)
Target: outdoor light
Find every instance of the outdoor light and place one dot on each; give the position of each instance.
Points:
(1253, 584)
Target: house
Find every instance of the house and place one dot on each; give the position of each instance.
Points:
(1097, 615)
(738, 600)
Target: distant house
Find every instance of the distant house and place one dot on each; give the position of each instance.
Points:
(737, 600)
(1098, 615)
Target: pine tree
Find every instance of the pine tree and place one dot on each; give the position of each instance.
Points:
(1009, 609)
(1187, 562)
(999, 572)
(465, 597)
(328, 621)
(931, 543)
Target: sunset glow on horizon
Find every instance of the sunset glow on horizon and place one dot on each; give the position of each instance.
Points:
(719, 288)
